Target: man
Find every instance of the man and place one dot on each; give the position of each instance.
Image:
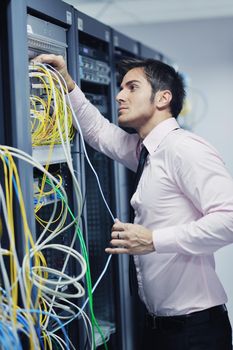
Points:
(183, 206)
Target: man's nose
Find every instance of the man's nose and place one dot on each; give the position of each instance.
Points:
(121, 96)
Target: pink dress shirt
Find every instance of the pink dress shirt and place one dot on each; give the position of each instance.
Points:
(185, 196)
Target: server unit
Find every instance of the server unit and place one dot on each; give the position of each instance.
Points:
(95, 80)
(123, 48)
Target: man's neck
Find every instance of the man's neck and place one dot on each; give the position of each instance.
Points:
(146, 129)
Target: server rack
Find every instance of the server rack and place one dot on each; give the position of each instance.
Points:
(15, 112)
(95, 79)
(148, 52)
(50, 29)
(29, 28)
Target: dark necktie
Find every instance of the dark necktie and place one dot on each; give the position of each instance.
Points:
(132, 270)
(141, 163)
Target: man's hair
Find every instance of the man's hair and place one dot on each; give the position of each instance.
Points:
(161, 76)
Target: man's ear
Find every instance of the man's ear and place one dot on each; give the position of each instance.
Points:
(163, 99)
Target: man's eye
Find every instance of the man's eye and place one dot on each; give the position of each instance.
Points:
(132, 87)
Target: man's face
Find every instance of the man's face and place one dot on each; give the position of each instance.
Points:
(135, 107)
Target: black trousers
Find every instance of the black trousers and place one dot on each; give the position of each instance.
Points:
(205, 330)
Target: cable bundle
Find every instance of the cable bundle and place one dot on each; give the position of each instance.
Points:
(46, 106)
(33, 272)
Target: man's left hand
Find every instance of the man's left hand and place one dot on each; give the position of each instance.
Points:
(130, 239)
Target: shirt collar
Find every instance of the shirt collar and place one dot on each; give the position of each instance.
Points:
(158, 134)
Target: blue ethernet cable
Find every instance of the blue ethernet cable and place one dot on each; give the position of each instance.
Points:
(62, 327)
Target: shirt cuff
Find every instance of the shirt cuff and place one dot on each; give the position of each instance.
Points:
(164, 240)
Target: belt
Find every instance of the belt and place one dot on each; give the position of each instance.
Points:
(179, 322)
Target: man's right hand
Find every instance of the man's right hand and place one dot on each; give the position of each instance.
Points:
(58, 62)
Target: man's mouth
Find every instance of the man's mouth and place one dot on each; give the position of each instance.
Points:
(122, 109)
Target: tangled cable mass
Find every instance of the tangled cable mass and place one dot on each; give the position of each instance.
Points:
(36, 297)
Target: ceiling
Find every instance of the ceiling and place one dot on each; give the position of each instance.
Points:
(131, 12)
